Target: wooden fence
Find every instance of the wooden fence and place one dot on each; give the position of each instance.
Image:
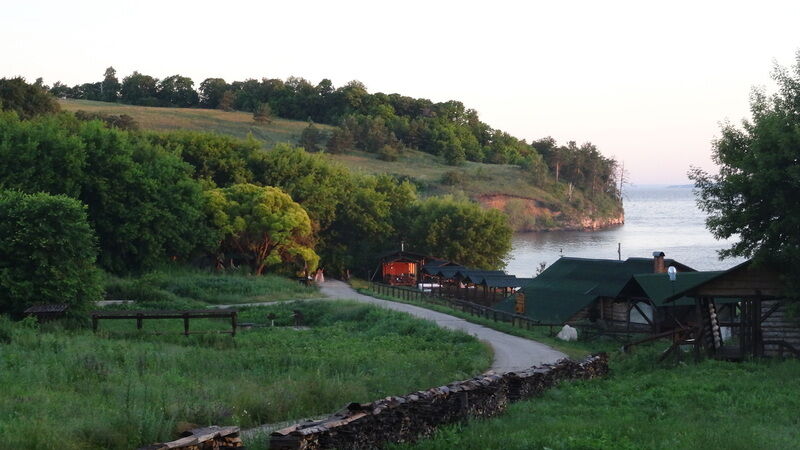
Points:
(411, 294)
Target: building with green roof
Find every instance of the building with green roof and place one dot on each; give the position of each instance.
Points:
(604, 291)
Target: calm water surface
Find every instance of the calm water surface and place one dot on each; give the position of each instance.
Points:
(656, 218)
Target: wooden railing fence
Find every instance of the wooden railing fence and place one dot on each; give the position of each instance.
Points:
(439, 297)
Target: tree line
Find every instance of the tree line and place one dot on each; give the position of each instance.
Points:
(385, 124)
(136, 200)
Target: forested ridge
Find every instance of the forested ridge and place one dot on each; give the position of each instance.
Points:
(135, 200)
(385, 124)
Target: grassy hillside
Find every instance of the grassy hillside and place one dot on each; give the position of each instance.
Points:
(501, 186)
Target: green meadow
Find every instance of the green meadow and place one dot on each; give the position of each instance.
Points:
(68, 388)
(641, 405)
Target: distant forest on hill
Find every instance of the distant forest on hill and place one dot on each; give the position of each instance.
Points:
(380, 123)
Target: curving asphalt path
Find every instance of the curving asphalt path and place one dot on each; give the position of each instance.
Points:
(511, 353)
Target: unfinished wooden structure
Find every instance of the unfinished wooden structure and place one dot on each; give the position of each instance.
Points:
(141, 315)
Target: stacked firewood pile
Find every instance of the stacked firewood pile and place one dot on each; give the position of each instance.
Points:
(407, 418)
(209, 438)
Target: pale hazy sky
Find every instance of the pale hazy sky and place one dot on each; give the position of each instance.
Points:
(647, 82)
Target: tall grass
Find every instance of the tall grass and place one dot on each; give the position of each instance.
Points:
(194, 288)
(712, 404)
(122, 388)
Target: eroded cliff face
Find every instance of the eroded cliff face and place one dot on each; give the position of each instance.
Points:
(526, 214)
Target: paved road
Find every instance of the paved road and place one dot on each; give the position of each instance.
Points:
(510, 352)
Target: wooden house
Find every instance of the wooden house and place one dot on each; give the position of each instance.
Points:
(761, 323)
(578, 290)
(403, 268)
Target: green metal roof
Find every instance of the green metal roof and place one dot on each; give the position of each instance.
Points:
(477, 276)
(571, 284)
(504, 281)
(658, 288)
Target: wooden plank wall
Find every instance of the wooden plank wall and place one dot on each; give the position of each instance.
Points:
(779, 327)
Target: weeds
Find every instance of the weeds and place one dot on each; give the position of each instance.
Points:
(125, 388)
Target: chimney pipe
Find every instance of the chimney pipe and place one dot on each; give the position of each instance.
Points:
(658, 263)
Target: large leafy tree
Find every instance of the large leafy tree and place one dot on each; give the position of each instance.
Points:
(40, 155)
(309, 178)
(47, 253)
(261, 226)
(211, 92)
(139, 89)
(110, 86)
(142, 200)
(755, 194)
(27, 100)
(177, 90)
(216, 158)
(461, 231)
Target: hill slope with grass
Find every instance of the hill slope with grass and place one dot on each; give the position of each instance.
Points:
(500, 186)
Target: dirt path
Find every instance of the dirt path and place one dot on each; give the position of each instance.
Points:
(510, 352)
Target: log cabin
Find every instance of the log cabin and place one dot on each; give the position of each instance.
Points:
(580, 290)
(762, 322)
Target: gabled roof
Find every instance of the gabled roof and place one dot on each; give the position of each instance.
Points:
(476, 276)
(571, 284)
(658, 287)
(397, 254)
(442, 271)
(505, 282)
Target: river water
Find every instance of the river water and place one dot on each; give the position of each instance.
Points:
(657, 218)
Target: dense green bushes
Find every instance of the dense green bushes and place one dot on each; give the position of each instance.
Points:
(158, 197)
(142, 201)
(47, 253)
(27, 100)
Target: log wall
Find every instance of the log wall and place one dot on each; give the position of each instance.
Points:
(778, 326)
(408, 418)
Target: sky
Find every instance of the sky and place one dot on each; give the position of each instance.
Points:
(647, 82)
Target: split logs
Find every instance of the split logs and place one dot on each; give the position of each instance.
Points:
(408, 418)
(209, 438)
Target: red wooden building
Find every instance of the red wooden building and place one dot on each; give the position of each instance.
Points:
(402, 268)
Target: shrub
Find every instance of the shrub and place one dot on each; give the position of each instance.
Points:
(47, 253)
(388, 153)
(452, 178)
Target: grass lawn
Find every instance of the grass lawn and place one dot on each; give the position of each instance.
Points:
(71, 389)
(707, 405)
(194, 288)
